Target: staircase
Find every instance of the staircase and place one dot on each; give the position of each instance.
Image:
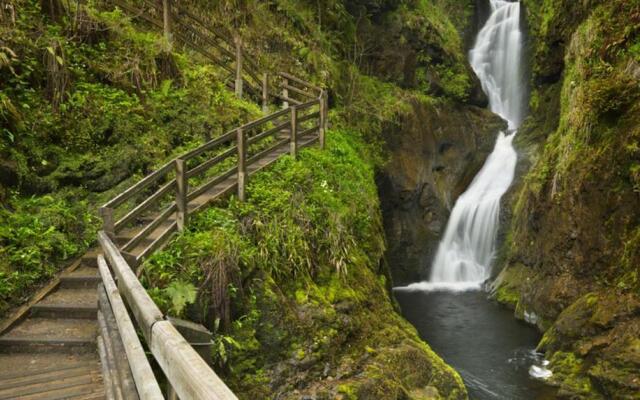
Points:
(49, 350)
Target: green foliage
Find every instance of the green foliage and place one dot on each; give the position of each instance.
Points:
(36, 235)
(180, 294)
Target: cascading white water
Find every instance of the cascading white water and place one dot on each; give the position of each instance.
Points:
(465, 253)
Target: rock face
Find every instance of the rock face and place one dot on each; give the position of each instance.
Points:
(571, 261)
(434, 153)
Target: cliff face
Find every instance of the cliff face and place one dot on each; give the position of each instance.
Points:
(434, 153)
(435, 149)
(571, 261)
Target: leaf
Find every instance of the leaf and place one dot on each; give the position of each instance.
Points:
(59, 60)
(180, 294)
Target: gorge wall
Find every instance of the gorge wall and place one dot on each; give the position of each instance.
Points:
(435, 152)
(571, 258)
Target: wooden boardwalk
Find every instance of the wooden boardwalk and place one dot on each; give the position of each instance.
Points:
(80, 337)
(49, 348)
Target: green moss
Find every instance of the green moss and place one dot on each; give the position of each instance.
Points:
(319, 298)
(507, 287)
(347, 392)
(568, 373)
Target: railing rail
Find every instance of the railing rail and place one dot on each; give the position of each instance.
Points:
(201, 36)
(143, 217)
(188, 374)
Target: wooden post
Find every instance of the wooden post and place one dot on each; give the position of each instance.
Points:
(108, 224)
(293, 143)
(265, 93)
(166, 14)
(239, 83)
(321, 132)
(181, 194)
(242, 166)
(285, 92)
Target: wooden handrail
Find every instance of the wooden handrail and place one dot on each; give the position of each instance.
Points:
(186, 371)
(145, 205)
(146, 384)
(187, 374)
(144, 309)
(209, 145)
(300, 81)
(138, 187)
(264, 120)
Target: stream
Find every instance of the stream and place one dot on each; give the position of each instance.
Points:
(480, 339)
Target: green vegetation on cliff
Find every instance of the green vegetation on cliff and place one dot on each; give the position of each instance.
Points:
(297, 293)
(292, 281)
(573, 257)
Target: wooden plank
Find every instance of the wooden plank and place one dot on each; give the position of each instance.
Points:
(113, 340)
(211, 162)
(293, 137)
(264, 152)
(308, 131)
(107, 220)
(231, 135)
(238, 44)
(109, 357)
(144, 309)
(145, 205)
(300, 81)
(300, 91)
(304, 106)
(159, 241)
(146, 383)
(109, 393)
(268, 132)
(323, 116)
(263, 120)
(140, 236)
(206, 186)
(242, 164)
(287, 99)
(308, 117)
(187, 372)
(265, 92)
(140, 186)
(182, 188)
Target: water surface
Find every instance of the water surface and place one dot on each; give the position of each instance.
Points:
(481, 339)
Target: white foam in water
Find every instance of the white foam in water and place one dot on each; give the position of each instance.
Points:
(540, 372)
(440, 286)
(465, 253)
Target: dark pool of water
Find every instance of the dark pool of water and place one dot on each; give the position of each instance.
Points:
(482, 340)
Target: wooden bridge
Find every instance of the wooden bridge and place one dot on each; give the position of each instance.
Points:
(87, 333)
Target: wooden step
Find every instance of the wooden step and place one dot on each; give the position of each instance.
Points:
(72, 297)
(82, 278)
(64, 311)
(36, 334)
(90, 259)
(43, 344)
(40, 376)
(62, 384)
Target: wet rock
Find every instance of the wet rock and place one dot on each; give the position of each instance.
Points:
(434, 154)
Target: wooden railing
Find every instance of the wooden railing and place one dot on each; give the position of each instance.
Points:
(216, 45)
(223, 49)
(143, 217)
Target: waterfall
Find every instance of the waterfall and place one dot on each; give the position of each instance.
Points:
(465, 253)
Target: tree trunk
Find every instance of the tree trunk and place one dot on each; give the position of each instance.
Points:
(52, 8)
